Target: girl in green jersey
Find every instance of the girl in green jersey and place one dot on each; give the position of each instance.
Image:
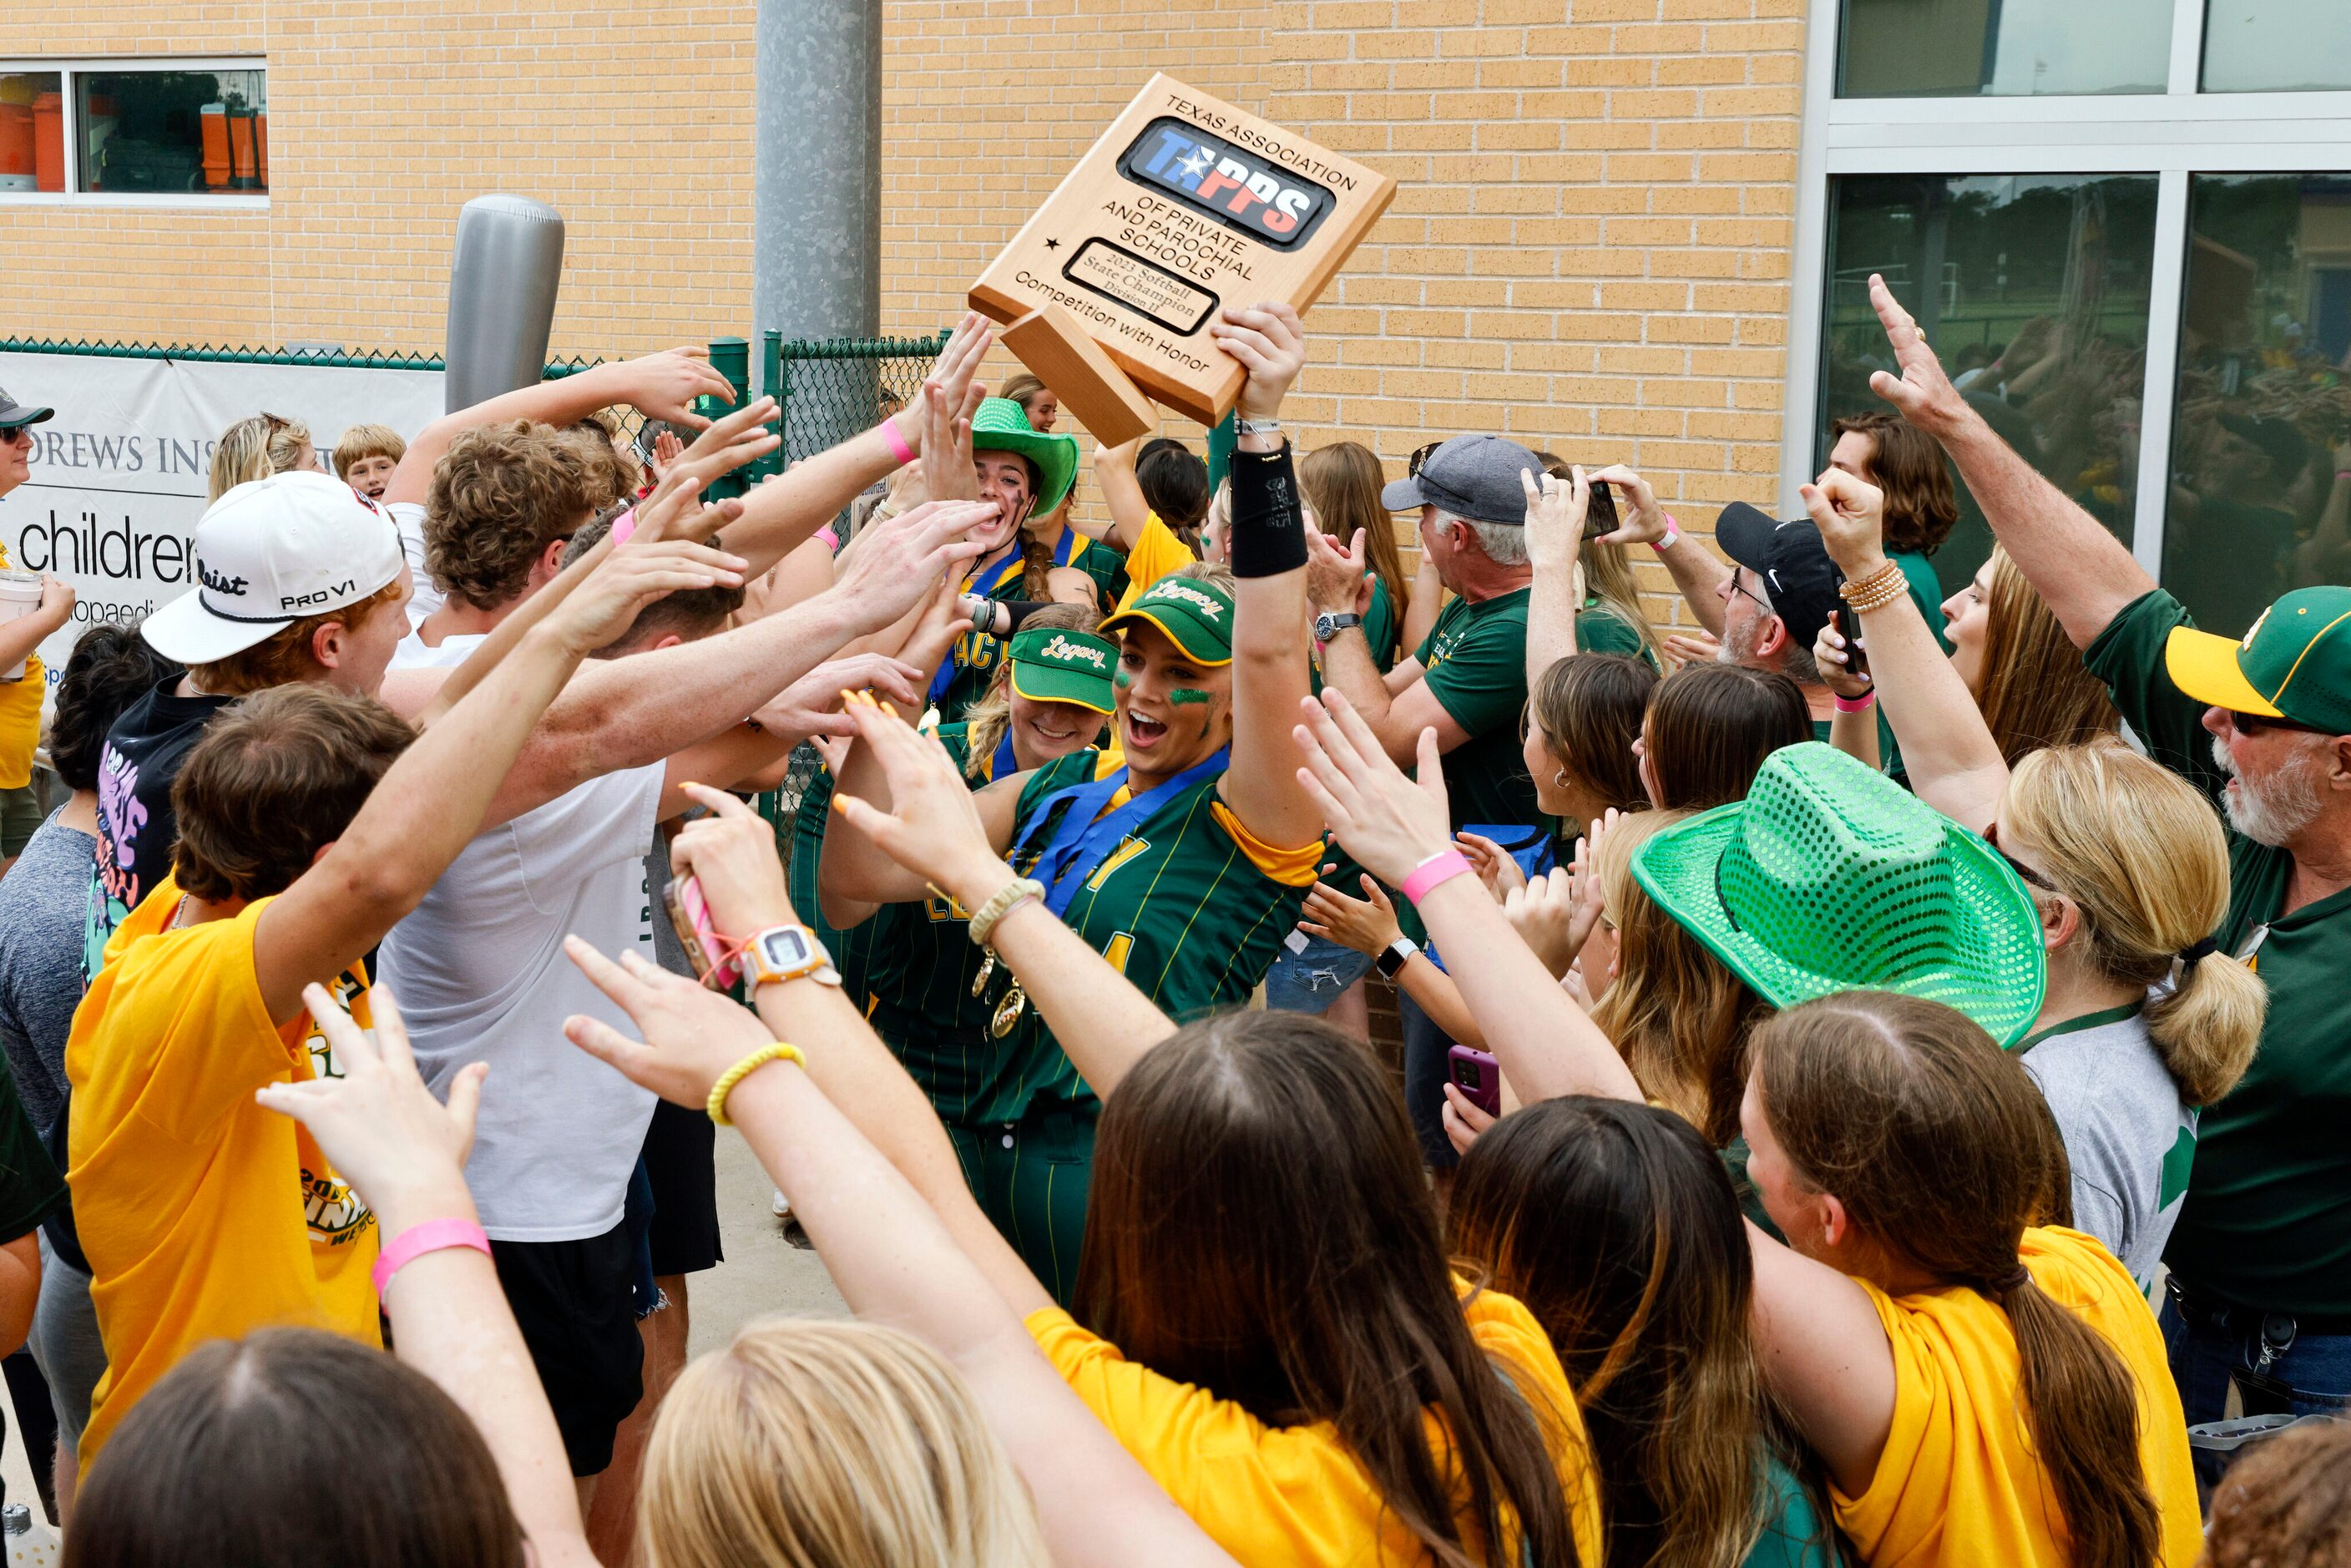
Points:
(1182, 857)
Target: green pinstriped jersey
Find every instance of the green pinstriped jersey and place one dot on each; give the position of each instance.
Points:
(977, 653)
(800, 839)
(1178, 906)
(921, 1004)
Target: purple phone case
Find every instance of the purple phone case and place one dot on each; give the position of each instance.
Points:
(1484, 1083)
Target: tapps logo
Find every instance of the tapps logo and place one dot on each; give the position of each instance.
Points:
(1238, 189)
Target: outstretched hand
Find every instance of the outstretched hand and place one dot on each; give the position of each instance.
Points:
(1368, 924)
(933, 826)
(378, 1124)
(1922, 392)
(811, 705)
(1553, 916)
(1270, 341)
(692, 1034)
(899, 559)
(664, 386)
(1495, 866)
(1388, 822)
(731, 853)
(1555, 513)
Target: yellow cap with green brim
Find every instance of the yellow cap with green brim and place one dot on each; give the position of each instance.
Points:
(2295, 665)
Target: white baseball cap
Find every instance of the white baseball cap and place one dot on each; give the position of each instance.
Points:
(269, 553)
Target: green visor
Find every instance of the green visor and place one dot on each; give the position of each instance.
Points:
(1194, 615)
(1830, 877)
(1055, 664)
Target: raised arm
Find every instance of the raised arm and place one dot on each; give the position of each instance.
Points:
(783, 513)
(1953, 762)
(629, 713)
(1695, 568)
(406, 1153)
(935, 828)
(1397, 705)
(432, 800)
(663, 386)
(1121, 495)
(918, 1255)
(1268, 557)
(1393, 826)
(2085, 574)
(1555, 512)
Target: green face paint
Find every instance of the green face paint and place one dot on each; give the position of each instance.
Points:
(1185, 696)
(1122, 678)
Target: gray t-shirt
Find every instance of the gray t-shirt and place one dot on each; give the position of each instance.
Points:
(2128, 1137)
(43, 904)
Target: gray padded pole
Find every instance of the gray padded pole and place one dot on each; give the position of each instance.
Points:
(816, 232)
(502, 287)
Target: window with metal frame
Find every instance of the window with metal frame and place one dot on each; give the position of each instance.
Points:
(127, 132)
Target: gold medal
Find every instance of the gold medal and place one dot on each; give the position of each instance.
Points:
(1007, 1011)
(987, 973)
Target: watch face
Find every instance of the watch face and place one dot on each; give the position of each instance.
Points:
(785, 947)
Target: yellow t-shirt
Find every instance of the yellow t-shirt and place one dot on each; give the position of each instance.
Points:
(20, 717)
(1959, 1482)
(1295, 1494)
(1154, 555)
(204, 1217)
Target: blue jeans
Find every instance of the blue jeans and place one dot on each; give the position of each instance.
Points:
(1427, 1061)
(1310, 981)
(2220, 1346)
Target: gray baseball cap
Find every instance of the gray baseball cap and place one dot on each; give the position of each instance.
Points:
(14, 414)
(1472, 477)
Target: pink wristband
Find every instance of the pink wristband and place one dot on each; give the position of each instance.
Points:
(1436, 868)
(625, 528)
(432, 1236)
(1673, 531)
(1861, 704)
(905, 452)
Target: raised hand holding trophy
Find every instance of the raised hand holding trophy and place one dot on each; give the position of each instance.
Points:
(1185, 206)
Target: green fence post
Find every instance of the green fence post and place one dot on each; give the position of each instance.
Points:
(771, 378)
(731, 358)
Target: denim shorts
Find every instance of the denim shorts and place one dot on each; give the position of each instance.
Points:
(1310, 981)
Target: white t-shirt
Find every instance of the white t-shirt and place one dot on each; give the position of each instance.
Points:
(409, 519)
(479, 972)
(415, 654)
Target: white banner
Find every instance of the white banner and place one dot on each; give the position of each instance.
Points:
(120, 475)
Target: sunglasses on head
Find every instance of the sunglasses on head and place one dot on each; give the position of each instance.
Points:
(2252, 724)
(1419, 455)
(1991, 837)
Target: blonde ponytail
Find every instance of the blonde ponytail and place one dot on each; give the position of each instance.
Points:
(255, 447)
(2141, 853)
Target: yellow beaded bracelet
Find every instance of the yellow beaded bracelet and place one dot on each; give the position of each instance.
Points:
(779, 1051)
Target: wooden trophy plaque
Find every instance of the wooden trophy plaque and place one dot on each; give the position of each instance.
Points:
(1185, 206)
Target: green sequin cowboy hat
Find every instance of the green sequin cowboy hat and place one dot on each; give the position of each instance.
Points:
(1002, 425)
(1830, 877)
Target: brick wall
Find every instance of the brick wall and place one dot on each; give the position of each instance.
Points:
(1590, 250)
(634, 118)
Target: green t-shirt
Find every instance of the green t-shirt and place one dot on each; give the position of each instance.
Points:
(1600, 630)
(1176, 907)
(921, 986)
(1889, 755)
(30, 1188)
(1381, 627)
(2267, 1224)
(1476, 660)
(1795, 1533)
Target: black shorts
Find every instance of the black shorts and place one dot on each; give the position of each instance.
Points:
(682, 1162)
(570, 1300)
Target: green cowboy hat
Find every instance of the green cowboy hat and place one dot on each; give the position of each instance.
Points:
(1830, 877)
(1055, 664)
(1002, 425)
(1191, 612)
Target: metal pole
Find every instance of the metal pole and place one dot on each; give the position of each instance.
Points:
(816, 269)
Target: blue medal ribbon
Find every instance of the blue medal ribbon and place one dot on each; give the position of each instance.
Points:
(984, 584)
(1003, 765)
(1084, 839)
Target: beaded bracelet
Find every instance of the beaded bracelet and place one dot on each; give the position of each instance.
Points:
(1876, 591)
(1013, 893)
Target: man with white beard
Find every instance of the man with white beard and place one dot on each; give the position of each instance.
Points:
(2260, 1262)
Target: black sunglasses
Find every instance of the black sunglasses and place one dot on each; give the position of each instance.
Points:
(1991, 837)
(1419, 455)
(2252, 724)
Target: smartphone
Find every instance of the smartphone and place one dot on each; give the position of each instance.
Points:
(1857, 653)
(689, 916)
(1600, 515)
(1477, 1075)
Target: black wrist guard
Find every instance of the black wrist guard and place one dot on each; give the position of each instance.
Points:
(1268, 530)
(1019, 610)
